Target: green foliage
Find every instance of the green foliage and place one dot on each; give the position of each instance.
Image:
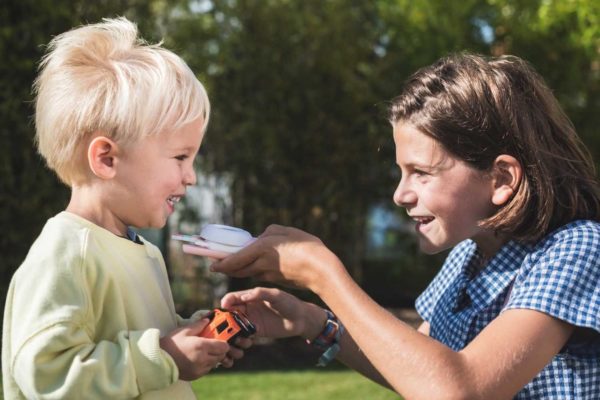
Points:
(29, 192)
(562, 40)
(293, 111)
(299, 90)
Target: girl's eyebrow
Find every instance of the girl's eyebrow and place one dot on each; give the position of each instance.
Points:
(438, 165)
(417, 165)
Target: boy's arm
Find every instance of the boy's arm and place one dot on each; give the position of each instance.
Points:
(61, 361)
(50, 345)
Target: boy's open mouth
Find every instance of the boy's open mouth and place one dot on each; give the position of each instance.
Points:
(172, 200)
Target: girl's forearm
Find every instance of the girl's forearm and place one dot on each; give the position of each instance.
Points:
(385, 349)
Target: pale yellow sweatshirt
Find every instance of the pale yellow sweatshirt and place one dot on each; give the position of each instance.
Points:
(83, 317)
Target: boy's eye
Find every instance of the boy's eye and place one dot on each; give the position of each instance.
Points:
(181, 157)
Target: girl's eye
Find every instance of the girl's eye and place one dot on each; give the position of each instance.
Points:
(181, 157)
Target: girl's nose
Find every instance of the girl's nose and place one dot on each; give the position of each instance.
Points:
(404, 196)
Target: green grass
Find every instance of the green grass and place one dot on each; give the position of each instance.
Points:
(290, 385)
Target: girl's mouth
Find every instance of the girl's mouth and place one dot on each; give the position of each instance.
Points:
(422, 223)
(423, 220)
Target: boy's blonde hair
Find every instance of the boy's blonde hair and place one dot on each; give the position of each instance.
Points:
(102, 77)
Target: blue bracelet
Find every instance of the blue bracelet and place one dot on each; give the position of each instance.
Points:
(329, 339)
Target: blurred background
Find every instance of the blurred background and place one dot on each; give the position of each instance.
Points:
(298, 133)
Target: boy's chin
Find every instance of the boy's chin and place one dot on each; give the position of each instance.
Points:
(155, 224)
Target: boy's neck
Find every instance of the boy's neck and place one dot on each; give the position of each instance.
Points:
(87, 203)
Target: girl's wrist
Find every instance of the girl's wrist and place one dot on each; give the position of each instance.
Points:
(325, 269)
(314, 321)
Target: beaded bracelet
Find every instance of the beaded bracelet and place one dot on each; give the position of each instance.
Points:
(329, 339)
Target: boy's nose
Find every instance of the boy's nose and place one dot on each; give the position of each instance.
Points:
(190, 177)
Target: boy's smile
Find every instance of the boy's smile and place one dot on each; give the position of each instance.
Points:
(154, 175)
(140, 183)
(443, 195)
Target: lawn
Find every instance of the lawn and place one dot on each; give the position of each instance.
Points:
(290, 385)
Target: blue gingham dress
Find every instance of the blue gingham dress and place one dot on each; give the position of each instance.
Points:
(559, 276)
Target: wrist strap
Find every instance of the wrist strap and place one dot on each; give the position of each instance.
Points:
(329, 339)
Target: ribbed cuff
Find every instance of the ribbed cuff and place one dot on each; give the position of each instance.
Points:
(155, 368)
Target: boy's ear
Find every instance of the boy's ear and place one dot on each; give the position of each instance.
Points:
(102, 157)
(507, 173)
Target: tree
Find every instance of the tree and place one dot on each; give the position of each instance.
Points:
(293, 111)
(29, 192)
(299, 90)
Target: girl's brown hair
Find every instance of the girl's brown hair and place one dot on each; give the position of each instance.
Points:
(479, 108)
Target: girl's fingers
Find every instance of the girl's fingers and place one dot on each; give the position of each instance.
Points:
(233, 299)
(237, 264)
(235, 353)
(260, 294)
(243, 343)
(273, 230)
(227, 362)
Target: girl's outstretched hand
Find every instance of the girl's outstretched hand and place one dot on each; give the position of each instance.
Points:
(281, 255)
(277, 314)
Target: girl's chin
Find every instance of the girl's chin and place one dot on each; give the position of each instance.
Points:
(430, 248)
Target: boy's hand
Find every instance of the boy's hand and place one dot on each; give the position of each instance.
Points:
(195, 356)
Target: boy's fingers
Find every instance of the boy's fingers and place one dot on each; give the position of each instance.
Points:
(195, 328)
(217, 348)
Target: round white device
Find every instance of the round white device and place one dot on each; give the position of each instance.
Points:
(225, 235)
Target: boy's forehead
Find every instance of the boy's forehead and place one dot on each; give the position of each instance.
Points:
(188, 136)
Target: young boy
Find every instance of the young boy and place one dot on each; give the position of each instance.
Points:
(90, 313)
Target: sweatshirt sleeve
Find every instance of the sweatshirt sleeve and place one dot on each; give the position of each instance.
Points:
(61, 361)
(55, 346)
(196, 316)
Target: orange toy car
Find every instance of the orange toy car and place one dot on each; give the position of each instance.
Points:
(227, 325)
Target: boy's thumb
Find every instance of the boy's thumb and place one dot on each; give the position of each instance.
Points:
(195, 328)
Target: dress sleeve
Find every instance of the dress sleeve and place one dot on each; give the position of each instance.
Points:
(564, 281)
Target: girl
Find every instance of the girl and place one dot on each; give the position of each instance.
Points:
(492, 168)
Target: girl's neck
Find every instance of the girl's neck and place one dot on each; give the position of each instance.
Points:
(488, 245)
